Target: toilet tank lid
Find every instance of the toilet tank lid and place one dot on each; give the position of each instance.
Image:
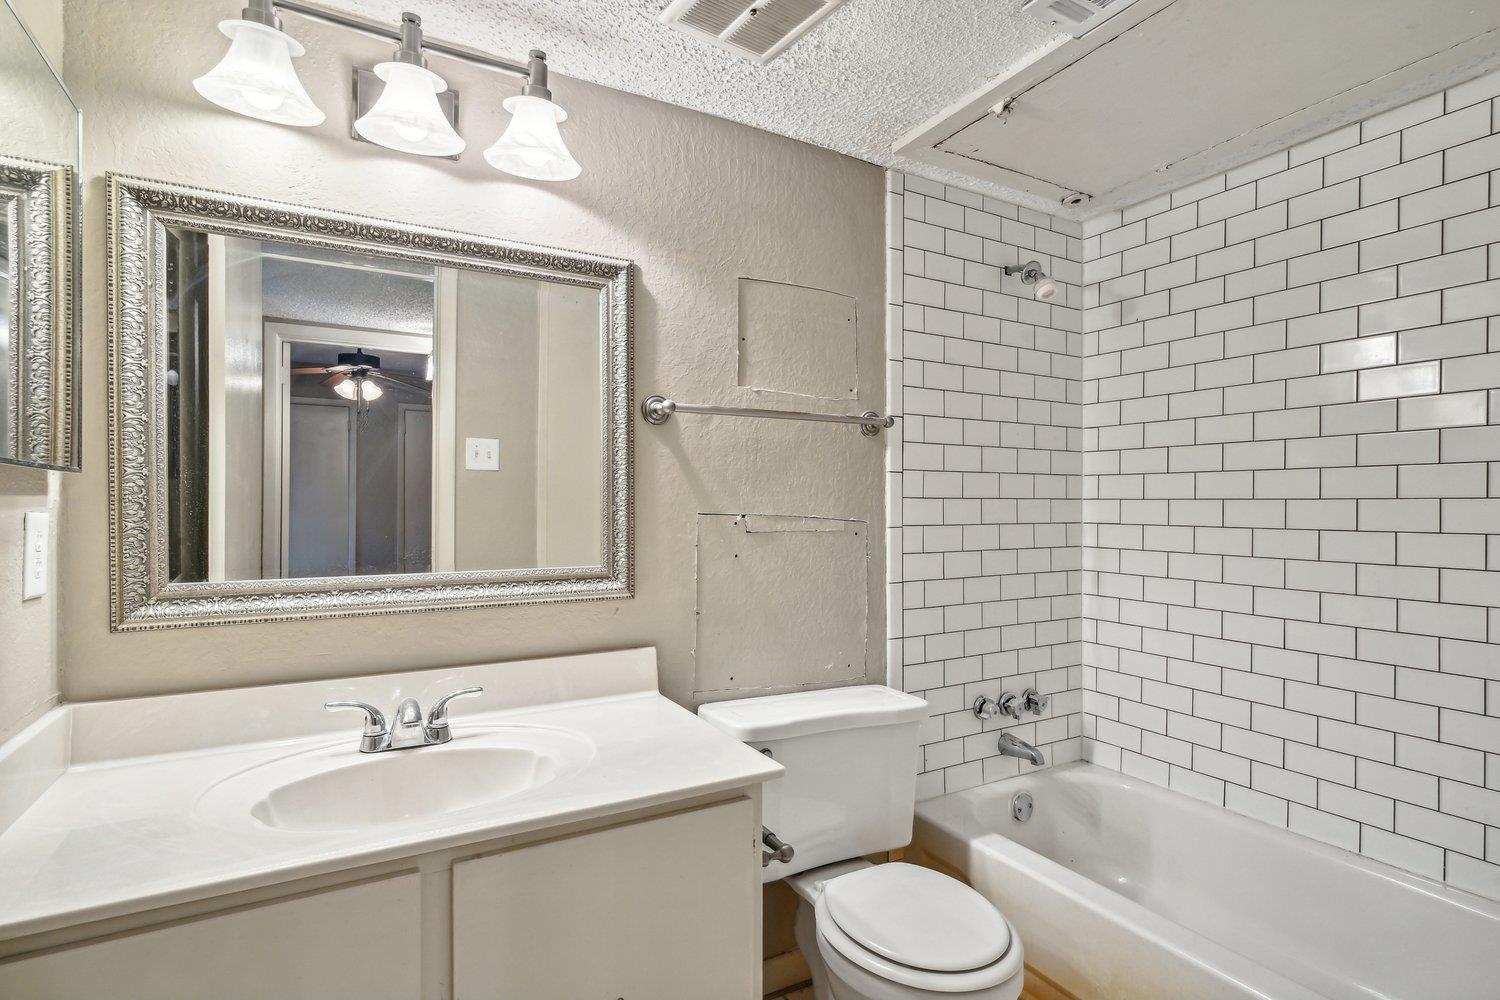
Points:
(783, 716)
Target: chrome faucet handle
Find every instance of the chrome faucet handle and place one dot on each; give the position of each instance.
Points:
(437, 719)
(1034, 701)
(986, 708)
(1010, 704)
(375, 728)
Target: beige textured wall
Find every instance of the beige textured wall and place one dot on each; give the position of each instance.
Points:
(696, 201)
(28, 629)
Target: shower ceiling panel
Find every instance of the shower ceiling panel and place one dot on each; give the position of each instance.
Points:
(1173, 90)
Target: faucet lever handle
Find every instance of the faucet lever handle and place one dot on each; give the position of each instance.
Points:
(437, 718)
(374, 717)
(376, 734)
(1034, 701)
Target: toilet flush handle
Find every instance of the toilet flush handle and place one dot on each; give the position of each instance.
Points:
(779, 850)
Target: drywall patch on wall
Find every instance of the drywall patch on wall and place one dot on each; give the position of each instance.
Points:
(781, 602)
(797, 340)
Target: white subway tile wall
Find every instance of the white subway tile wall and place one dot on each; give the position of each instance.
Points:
(1291, 513)
(984, 476)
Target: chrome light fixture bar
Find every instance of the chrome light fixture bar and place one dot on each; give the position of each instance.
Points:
(531, 145)
(379, 30)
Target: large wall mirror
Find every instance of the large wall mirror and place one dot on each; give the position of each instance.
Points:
(39, 157)
(316, 414)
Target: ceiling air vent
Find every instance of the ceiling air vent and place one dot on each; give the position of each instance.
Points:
(1076, 17)
(756, 29)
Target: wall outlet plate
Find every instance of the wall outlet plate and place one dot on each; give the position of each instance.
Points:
(482, 454)
(34, 561)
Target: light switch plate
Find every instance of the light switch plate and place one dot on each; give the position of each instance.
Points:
(482, 454)
(34, 563)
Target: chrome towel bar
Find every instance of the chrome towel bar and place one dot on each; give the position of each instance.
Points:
(659, 409)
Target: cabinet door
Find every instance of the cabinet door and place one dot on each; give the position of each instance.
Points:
(663, 909)
(358, 941)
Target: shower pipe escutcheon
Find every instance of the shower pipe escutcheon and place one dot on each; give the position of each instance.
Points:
(659, 409)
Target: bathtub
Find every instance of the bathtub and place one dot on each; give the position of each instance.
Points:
(1122, 890)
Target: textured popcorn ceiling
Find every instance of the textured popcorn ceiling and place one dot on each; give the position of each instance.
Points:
(863, 77)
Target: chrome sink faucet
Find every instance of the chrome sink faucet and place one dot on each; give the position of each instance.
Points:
(406, 728)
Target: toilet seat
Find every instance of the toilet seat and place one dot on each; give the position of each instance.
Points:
(918, 928)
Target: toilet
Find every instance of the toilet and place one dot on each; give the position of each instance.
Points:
(869, 932)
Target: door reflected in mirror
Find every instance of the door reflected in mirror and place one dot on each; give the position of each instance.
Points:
(346, 414)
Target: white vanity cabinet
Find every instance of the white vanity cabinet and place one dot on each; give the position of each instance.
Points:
(664, 909)
(361, 941)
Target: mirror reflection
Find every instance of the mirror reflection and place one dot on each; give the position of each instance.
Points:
(339, 414)
(38, 161)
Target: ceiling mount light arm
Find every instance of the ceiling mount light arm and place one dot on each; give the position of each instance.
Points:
(262, 12)
(410, 48)
(536, 76)
(356, 23)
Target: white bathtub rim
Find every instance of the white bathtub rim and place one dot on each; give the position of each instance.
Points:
(953, 818)
(1084, 771)
(1208, 956)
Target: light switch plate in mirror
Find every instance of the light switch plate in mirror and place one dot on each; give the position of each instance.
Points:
(148, 590)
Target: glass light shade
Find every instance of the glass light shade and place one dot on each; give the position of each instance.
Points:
(532, 146)
(256, 77)
(1046, 288)
(365, 389)
(407, 117)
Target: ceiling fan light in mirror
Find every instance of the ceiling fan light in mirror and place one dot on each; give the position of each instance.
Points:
(532, 146)
(256, 77)
(363, 389)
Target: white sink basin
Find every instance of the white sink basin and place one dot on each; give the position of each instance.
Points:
(336, 788)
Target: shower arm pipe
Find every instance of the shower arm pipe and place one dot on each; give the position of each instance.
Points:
(393, 33)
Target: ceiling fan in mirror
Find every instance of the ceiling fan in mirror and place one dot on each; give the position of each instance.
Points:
(357, 377)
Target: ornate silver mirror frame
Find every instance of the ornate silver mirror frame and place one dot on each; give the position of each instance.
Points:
(142, 594)
(37, 200)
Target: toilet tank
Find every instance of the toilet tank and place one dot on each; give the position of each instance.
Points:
(851, 764)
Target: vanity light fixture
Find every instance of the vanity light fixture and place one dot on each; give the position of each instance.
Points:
(407, 117)
(532, 146)
(256, 77)
(1032, 274)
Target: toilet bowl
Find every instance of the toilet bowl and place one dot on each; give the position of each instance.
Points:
(868, 932)
(900, 932)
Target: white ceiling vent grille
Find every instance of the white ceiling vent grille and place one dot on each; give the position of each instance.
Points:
(1076, 17)
(759, 30)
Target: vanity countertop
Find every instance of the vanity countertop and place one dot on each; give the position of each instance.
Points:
(113, 834)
